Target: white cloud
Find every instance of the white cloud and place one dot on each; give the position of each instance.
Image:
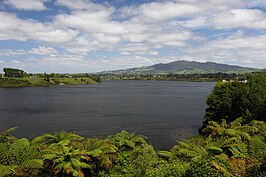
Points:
(166, 10)
(13, 28)
(42, 50)
(240, 18)
(153, 53)
(92, 22)
(163, 11)
(50, 34)
(9, 52)
(27, 4)
(80, 5)
(236, 49)
(192, 23)
(84, 44)
(133, 47)
(106, 38)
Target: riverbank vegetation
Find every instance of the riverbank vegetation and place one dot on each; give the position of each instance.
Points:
(196, 77)
(19, 78)
(230, 145)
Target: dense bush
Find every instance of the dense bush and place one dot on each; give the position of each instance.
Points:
(230, 100)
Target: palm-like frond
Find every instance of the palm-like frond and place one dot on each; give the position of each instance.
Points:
(7, 170)
(33, 164)
(165, 154)
(49, 139)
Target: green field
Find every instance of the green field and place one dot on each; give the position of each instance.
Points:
(39, 81)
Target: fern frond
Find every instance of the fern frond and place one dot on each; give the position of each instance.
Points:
(33, 164)
(236, 122)
(220, 168)
(257, 146)
(230, 132)
(165, 154)
(214, 149)
(7, 170)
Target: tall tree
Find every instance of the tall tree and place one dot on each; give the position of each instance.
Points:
(11, 72)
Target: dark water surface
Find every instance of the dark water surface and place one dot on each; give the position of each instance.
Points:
(164, 111)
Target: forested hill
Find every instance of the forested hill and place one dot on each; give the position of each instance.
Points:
(183, 67)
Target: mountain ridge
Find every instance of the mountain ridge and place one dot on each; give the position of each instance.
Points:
(183, 67)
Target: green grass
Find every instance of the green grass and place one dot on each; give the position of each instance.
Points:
(12, 82)
(23, 82)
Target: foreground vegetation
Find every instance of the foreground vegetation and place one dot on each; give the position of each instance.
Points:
(227, 145)
(226, 149)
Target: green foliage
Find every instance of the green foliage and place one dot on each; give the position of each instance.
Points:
(230, 100)
(14, 82)
(44, 80)
(65, 160)
(48, 139)
(207, 167)
(19, 157)
(7, 170)
(125, 140)
(102, 153)
(11, 72)
(225, 149)
(257, 146)
(6, 137)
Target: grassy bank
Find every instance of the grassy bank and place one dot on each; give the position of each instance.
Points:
(39, 81)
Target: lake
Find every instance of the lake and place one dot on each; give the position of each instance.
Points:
(164, 111)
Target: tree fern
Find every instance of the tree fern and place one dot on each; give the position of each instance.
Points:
(48, 139)
(64, 159)
(6, 137)
(126, 140)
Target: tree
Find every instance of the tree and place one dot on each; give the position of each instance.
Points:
(11, 72)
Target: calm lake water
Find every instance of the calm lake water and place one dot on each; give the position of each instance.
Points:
(164, 111)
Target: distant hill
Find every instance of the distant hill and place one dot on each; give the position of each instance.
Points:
(183, 67)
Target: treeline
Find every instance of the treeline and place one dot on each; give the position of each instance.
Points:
(170, 76)
(18, 73)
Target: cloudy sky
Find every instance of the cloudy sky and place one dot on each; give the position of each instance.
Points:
(94, 35)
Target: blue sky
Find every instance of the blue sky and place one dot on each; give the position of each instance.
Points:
(93, 35)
